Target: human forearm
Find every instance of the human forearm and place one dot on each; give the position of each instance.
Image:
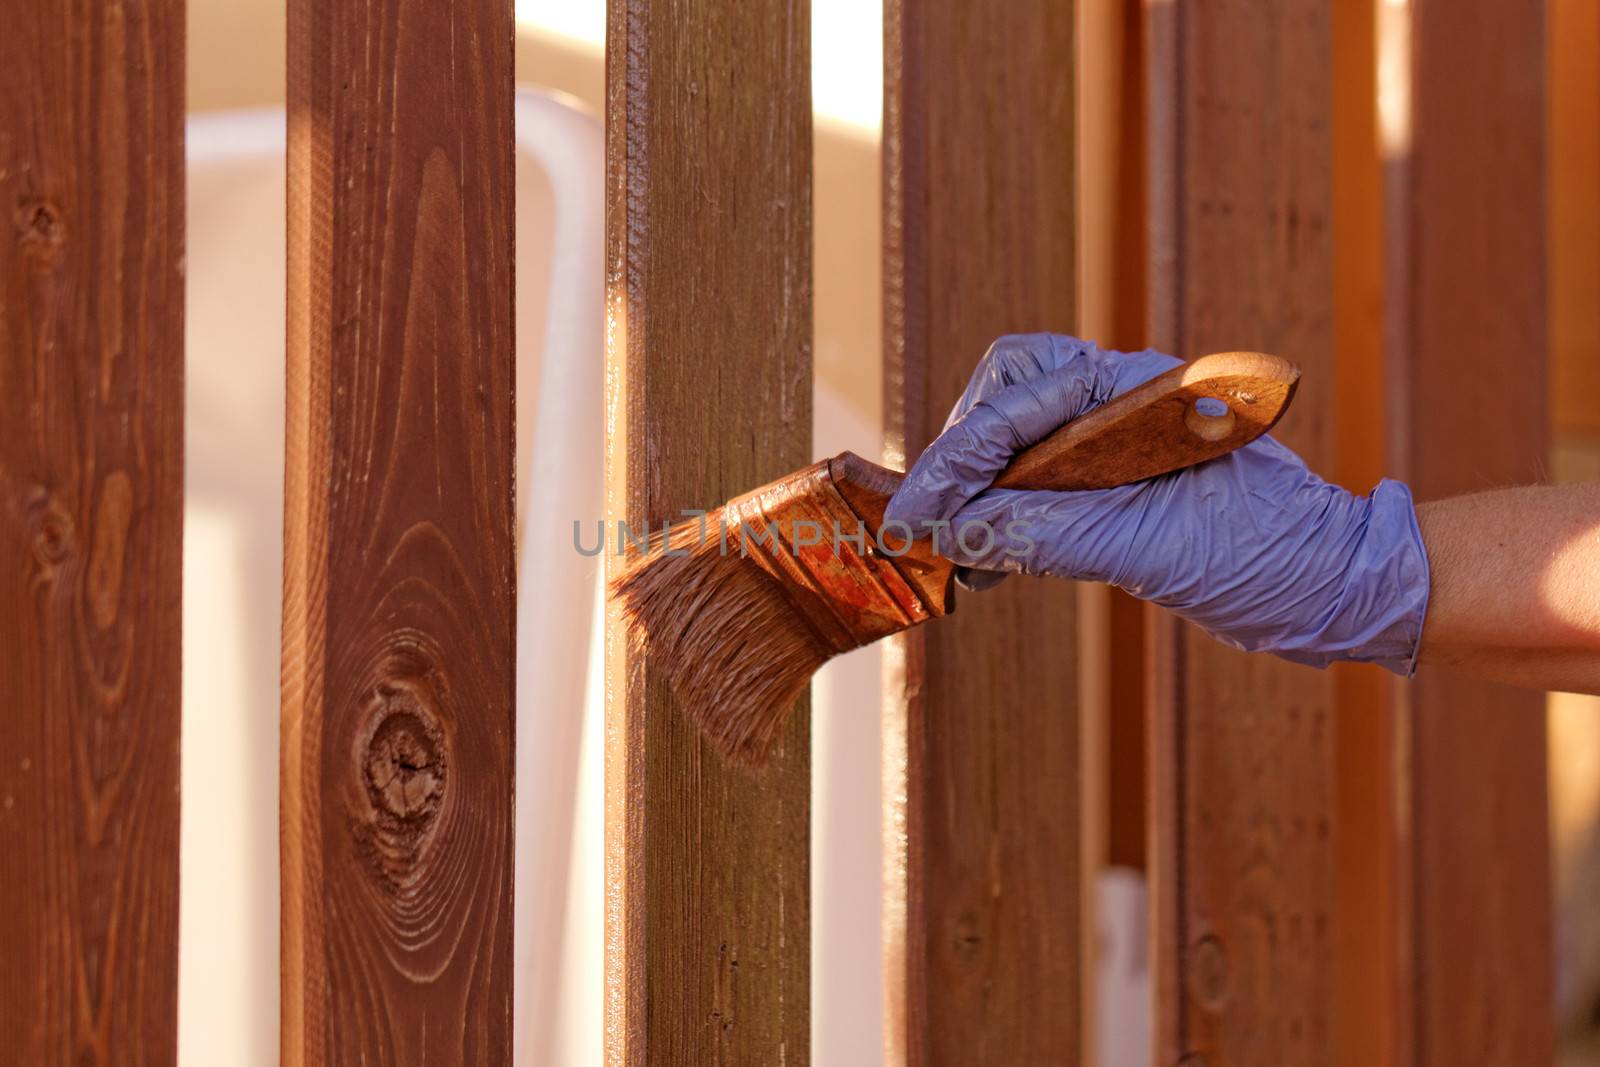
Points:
(1515, 577)
(1258, 550)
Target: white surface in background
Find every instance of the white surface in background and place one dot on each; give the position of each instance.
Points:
(847, 695)
(228, 921)
(577, 1010)
(228, 947)
(560, 650)
(847, 62)
(578, 21)
(1122, 1023)
(232, 567)
(846, 814)
(846, 51)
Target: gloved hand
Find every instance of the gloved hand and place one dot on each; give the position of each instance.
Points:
(1251, 546)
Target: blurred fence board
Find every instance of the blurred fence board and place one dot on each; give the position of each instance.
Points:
(709, 367)
(1574, 143)
(91, 529)
(1242, 747)
(1111, 268)
(1467, 343)
(398, 631)
(982, 909)
(1366, 955)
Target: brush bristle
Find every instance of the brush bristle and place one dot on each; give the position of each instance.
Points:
(734, 648)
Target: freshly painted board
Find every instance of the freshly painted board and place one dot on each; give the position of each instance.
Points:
(981, 777)
(398, 625)
(91, 530)
(1242, 747)
(708, 245)
(1468, 350)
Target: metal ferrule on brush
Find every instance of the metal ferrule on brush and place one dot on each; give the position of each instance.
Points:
(826, 558)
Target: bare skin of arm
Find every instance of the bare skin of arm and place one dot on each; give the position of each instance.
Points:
(1516, 586)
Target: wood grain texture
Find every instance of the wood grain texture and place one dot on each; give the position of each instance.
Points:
(1367, 951)
(1159, 426)
(91, 529)
(1242, 746)
(1120, 320)
(1150, 430)
(982, 879)
(708, 245)
(1574, 190)
(398, 630)
(1468, 343)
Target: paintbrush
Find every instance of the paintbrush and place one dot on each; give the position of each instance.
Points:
(739, 608)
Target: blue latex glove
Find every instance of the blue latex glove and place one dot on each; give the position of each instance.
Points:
(1251, 546)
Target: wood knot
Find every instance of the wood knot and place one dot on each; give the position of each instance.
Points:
(966, 939)
(404, 766)
(1209, 979)
(41, 230)
(53, 530)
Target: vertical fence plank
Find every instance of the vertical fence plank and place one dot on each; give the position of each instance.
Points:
(398, 645)
(1366, 849)
(982, 910)
(708, 235)
(1242, 746)
(91, 526)
(1468, 345)
(1366, 949)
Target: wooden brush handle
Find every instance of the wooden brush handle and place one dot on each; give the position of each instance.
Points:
(1158, 427)
(1163, 425)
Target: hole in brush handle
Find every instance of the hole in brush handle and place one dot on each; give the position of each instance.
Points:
(1209, 419)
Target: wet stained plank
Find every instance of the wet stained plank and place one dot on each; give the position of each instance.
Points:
(398, 627)
(91, 529)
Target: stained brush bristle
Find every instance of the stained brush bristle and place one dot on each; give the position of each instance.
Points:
(735, 650)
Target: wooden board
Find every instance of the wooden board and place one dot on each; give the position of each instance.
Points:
(708, 244)
(1467, 348)
(1573, 721)
(982, 910)
(399, 575)
(1366, 954)
(1111, 286)
(91, 530)
(1574, 190)
(1242, 802)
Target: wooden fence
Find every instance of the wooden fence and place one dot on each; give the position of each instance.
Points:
(1343, 869)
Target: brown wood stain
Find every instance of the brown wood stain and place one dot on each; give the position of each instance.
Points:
(709, 293)
(1242, 747)
(91, 529)
(1467, 338)
(982, 867)
(398, 632)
